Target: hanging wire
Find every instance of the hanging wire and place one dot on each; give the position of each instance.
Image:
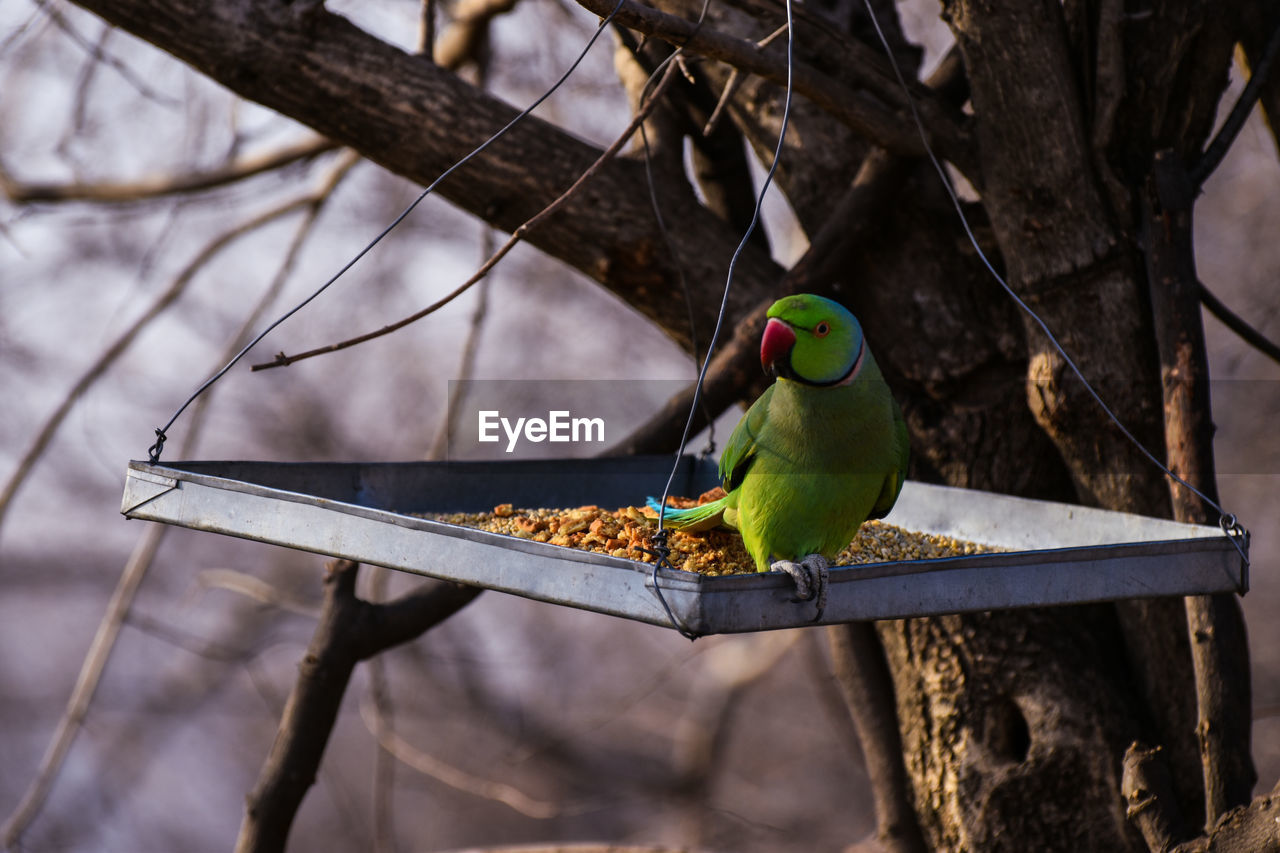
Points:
(1227, 521)
(660, 547)
(676, 56)
(153, 452)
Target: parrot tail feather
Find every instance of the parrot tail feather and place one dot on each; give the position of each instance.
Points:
(695, 518)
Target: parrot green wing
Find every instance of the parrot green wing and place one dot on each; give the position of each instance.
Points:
(740, 451)
(893, 483)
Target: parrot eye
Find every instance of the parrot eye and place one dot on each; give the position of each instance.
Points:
(821, 330)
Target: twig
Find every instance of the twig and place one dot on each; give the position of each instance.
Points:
(349, 630)
(863, 674)
(139, 562)
(464, 39)
(158, 307)
(427, 28)
(384, 769)
(148, 189)
(1237, 324)
(84, 82)
(862, 112)
(1221, 144)
(282, 360)
(733, 370)
(113, 352)
(125, 72)
(731, 87)
(251, 586)
(702, 733)
(186, 640)
(467, 363)
(409, 755)
(1150, 803)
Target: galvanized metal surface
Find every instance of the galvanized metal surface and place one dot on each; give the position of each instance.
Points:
(1061, 554)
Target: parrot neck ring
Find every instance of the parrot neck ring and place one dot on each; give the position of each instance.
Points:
(783, 370)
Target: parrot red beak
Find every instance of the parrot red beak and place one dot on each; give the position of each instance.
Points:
(776, 345)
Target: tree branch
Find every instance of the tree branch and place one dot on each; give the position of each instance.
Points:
(859, 110)
(1221, 144)
(526, 228)
(417, 119)
(1219, 650)
(1237, 324)
(348, 631)
(733, 371)
(863, 674)
(1149, 799)
(147, 189)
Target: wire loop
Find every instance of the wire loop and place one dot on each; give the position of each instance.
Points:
(661, 552)
(154, 451)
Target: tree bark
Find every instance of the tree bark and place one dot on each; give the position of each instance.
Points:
(417, 119)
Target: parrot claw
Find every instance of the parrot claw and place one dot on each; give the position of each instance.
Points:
(811, 576)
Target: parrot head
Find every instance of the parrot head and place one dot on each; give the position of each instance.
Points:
(813, 340)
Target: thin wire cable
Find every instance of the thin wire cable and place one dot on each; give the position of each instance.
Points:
(1227, 521)
(153, 452)
(666, 235)
(683, 279)
(661, 535)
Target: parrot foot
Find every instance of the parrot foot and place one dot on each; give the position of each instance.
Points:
(811, 576)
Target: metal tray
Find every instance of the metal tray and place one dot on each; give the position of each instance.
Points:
(1058, 553)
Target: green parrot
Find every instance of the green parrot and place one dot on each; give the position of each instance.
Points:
(823, 449)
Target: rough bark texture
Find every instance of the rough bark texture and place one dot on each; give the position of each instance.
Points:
(1002, 717)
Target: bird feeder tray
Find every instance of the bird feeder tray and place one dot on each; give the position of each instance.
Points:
(1052, 554)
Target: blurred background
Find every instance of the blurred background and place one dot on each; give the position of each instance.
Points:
(515, 721)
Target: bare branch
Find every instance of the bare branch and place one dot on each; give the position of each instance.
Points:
(1221, 144)
(251, 586)
(1149, 799)
(126, 73)
(160, 186)
(409, 755)
(729, 669)
(418, 119)
(176, 288)
(384, 768)
(95, 663)
(349, 630)
(143, 556)
(733, 369)
(467, 361)
(1219, 649)
(863, 674)
(529, 226)
(859, 110)
(466, 35)
(1237, 324)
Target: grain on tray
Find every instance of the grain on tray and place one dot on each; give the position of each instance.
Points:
(624, 532)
